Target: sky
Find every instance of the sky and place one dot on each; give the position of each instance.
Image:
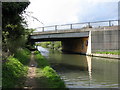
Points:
(55, 12)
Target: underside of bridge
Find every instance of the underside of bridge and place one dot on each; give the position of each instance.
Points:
(78, 45)
(75, 42)
(72, 45)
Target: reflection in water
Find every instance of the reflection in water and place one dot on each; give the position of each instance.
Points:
(43, 51)
(89, 67)
(80, 71)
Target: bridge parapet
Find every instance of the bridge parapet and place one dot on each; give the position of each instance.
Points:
(105, 28)
(77, 26)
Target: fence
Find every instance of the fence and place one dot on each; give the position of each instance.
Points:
(78, 25)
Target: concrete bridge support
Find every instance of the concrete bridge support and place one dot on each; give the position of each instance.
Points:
(105, 40)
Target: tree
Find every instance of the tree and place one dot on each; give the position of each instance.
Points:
(14, 32)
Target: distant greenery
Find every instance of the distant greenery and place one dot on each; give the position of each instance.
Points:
(47, 77)
(109, 52)
(14, 71)
(52, 45)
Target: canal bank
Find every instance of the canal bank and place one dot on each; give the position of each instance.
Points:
(46, 76)
(101, 55)
(106, 56)
(111, 56)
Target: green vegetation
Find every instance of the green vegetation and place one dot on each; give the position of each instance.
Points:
(46, 76)
(14, 37)
(14, 70)
(15, 57)
(52, 45)
(110, 52)
(23, 55)
(14, 28)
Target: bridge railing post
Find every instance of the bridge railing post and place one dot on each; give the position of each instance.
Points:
(71, 26)
(42, 29)
(55, 27)
(88, 24)
(109, 23)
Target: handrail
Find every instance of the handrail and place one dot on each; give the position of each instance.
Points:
(71, 25)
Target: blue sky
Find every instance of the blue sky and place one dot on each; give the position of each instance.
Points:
(52, 12)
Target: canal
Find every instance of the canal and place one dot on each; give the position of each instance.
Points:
(79, 71)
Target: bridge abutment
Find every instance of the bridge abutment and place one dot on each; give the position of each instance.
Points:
(105, 40)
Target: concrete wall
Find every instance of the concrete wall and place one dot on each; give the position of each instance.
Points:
(105, 40)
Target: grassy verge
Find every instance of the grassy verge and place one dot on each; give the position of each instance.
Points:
(109, 52)
(14, 71)
(46, 76)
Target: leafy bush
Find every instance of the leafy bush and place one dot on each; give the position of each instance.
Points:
(14, 69)
(13, 72)
(23, 56)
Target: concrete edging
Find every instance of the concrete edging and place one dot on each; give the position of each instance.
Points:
(105, 56)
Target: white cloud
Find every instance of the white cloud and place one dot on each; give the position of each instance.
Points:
(52, 12)
(55, 11)
(98, 1)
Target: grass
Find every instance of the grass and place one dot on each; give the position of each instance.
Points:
(109, 52)
(47, 76)
(14, 71)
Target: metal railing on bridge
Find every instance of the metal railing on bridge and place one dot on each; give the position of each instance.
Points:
(96, 24)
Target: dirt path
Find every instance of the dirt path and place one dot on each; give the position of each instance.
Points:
(30, 81)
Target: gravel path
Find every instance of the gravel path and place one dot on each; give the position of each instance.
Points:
(31, 81)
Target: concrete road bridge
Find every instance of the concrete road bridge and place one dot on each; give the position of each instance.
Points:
(84, 38)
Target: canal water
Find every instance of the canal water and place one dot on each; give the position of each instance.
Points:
(79, 71)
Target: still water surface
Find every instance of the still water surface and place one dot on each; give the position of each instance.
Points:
(79, 71)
